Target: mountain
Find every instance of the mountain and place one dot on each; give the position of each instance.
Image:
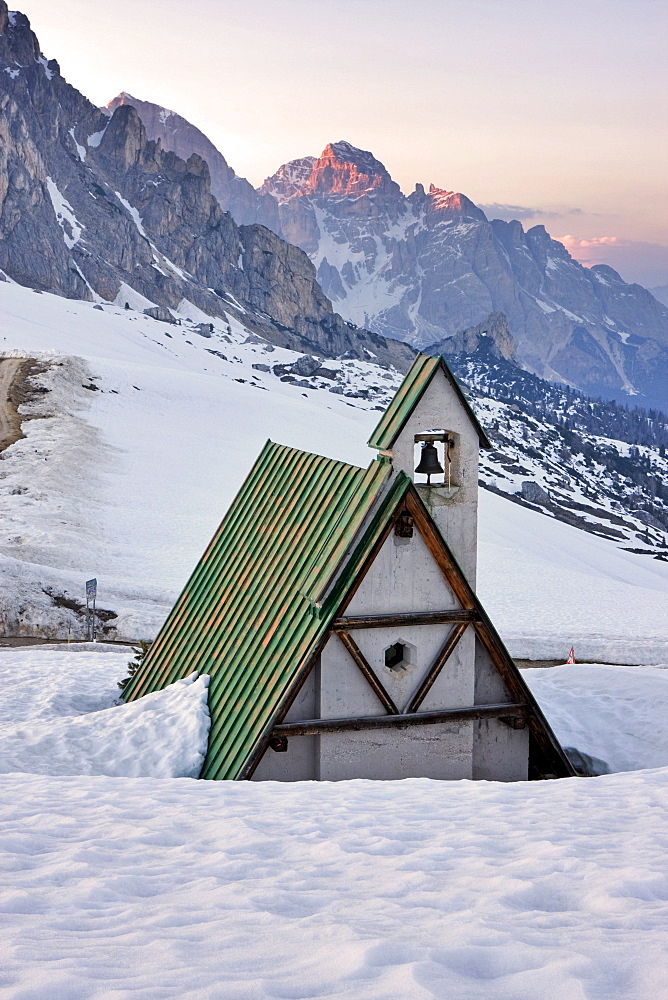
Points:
(660, 293)
(92, 208)
(234, 194)
(423, 267)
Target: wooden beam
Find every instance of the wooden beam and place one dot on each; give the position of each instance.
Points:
(442, 556)
(436, 667)
(405, 618)
(358, 657)
(312, 727)
(537, 722)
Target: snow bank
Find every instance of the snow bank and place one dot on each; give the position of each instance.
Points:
(58, 716)
(617, 713)
(364, 890)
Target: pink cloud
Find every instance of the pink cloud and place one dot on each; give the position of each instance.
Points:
(575, 243)
(646, 263)
(584, 250)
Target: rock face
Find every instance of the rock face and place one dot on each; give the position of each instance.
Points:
(91, 207)
(423, 267)
(234, 194)
(495, 329)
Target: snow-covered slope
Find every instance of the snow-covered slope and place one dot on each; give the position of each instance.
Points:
(141, 447)
(616, 713)
(146, 434)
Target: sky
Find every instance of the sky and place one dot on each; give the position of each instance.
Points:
(550, 111)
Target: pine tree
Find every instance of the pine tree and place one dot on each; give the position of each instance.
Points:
(140, 652)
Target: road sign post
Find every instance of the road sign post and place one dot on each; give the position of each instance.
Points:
(91, 595)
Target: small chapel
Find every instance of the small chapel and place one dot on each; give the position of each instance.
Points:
(335, 613)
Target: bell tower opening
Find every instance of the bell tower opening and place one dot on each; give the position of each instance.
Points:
(436, 459)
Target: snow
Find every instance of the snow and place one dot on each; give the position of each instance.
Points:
(94, 296)
(543, 305)
(95, 138)
(134, 299)
(617, 713)
(572, 315)
(12, 72)
(128, 483)
(81, 150)
(124, 888)
(64, 212)
(118, 879)
(45, 64)
(548, 586)
(59, 716)
(134, 213)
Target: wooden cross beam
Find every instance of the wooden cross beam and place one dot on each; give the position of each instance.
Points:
(441, 657)
(360, 660)
(312, 727)
(436, 667)
(405, 618)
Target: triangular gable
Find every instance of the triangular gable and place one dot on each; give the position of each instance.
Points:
(408, 396)
(553, 759)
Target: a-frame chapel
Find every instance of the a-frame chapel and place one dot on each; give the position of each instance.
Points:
(335, 612)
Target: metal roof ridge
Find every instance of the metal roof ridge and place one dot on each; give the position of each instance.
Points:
(408, 396)
(389, 493)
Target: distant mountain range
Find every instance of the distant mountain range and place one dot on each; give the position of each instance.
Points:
(423, 267)
(133, 204)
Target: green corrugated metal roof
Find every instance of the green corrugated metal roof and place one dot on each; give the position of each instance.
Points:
(247, 616)
(407, 397)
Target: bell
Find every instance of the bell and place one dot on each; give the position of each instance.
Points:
(429, 463)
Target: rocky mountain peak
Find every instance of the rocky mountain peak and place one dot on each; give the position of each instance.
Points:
(452, 204)
(343, 170)
(21, 42)
(177, 135)
(494, 330)
(125, 137)
(289, 180)
(150, 111)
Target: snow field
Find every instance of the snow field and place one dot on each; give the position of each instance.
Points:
(548, 586)
(118, 888)
(141, 885)
(60, 714)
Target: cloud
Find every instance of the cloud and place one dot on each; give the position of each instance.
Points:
(508, 213)
(644, 263)
(574, 243)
